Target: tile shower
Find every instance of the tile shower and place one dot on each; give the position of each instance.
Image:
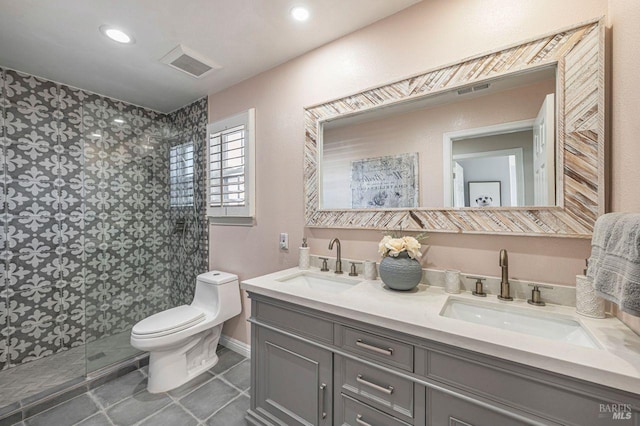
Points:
(88, 237)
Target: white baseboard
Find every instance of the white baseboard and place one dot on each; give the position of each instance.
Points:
(236, 345)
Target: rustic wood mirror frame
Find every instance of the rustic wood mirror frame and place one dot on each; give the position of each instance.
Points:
(578, 53)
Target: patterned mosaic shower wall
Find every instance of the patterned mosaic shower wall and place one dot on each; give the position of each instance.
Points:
(189, 254)
(85, 227)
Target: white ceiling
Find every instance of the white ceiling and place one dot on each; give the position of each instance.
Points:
(60, 40)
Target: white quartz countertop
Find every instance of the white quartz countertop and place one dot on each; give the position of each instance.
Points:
(417, 313)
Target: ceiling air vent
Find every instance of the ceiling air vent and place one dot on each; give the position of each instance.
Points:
(470, 89)
(188, 61)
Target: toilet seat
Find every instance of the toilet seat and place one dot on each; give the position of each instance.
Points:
(168, 322)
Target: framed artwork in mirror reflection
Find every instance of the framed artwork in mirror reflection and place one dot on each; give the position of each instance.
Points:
(385, 182)
(484, 194)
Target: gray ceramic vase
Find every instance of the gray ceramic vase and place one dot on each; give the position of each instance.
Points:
(400, 273)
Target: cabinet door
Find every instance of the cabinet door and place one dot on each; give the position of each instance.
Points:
(446, 410)
(293, 380)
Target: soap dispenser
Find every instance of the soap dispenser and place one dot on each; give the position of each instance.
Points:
(303, 259)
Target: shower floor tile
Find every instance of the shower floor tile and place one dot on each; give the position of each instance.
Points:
(109, 350)
(125, 402)
(26, 380)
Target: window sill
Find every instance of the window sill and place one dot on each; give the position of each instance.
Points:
(232, 221)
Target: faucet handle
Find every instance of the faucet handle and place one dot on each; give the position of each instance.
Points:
(479, 291)
(325, 266)
(548, 287)
(354, 272)
(536, 300)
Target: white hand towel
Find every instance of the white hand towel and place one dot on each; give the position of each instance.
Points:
(614, 264)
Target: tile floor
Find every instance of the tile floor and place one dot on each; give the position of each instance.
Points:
(218, 397)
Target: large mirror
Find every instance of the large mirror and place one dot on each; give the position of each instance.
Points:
(484, 145)
(510, 142)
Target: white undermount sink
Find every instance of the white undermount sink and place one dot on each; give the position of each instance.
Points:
(328, 281)
(542, 324)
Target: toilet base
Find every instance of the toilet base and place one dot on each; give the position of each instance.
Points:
(174, 367)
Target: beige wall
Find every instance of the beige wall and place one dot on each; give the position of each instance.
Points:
(431, 33)
(624, 18)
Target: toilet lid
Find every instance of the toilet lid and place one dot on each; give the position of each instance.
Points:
(171, 320)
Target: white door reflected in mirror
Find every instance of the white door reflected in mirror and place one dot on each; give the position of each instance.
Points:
(516, 157)
(501, 173)
(458, 185)
(544, 154)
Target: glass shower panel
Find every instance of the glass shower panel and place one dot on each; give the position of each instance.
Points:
(126, 186)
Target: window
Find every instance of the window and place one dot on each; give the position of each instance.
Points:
(181, 175)
(231, 166)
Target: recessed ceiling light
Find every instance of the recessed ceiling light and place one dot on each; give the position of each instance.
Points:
(116, 35)
(118, 120)
(300, 13)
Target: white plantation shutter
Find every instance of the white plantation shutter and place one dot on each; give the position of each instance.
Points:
(227, 167)
(231, 166)
(181, 175)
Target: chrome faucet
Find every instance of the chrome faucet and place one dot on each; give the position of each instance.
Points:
(504, 284)
(338, 255)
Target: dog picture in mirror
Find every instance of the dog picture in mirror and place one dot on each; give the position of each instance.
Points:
(484, 194)
(484, 201)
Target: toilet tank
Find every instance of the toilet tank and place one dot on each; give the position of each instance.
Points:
(218, 293)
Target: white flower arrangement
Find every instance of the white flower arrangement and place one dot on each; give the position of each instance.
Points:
(390, 246)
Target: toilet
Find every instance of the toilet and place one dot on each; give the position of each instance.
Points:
(182, 341)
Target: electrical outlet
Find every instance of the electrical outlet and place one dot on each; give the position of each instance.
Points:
(284, 241)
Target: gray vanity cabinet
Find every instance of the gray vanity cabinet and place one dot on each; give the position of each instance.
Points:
(294, 380)
(314, 368)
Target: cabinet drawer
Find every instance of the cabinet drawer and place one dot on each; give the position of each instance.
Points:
(295, 321)
(446, 410)
(355, 413)
(383, 390)
(389, 351)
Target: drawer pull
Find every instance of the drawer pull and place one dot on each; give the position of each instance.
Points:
(376, 349)
(360, 421)
(455, 422)
(321, 402)
(388, 390)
